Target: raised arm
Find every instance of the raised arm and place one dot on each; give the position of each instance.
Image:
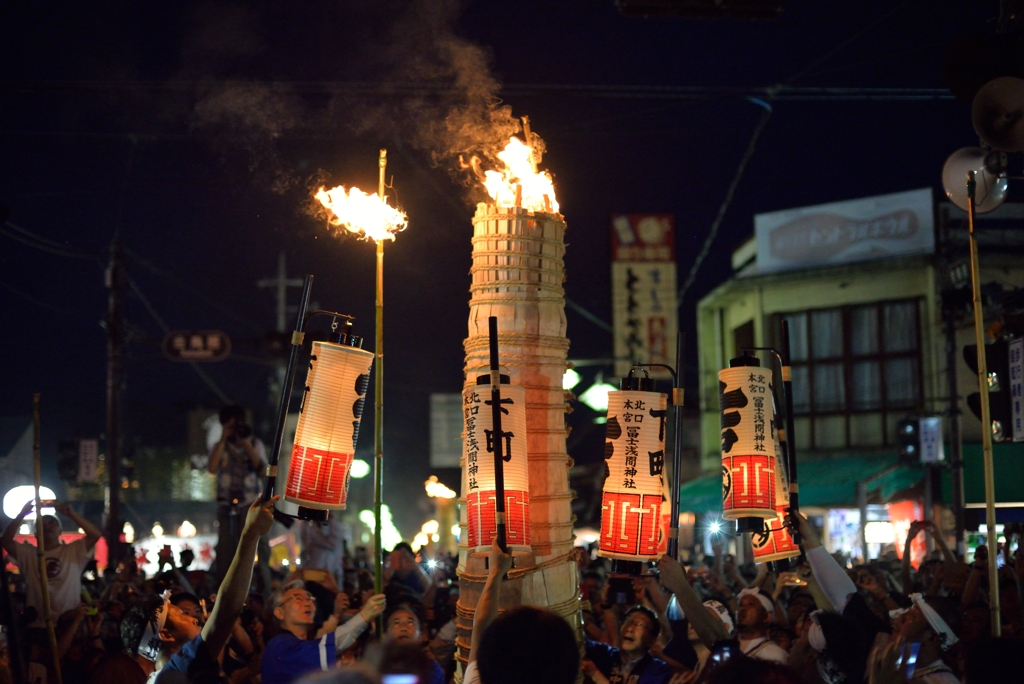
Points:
(832, 578)
(487, 607)
(92, 533)
(235, 587)
(709, 628)
(218, 449)
(940, 541)
(905, 577)
(10, 546)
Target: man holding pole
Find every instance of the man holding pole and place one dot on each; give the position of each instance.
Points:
(64, 562)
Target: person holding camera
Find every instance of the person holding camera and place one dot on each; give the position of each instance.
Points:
(239, 461)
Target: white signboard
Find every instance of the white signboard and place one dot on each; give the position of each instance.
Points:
(644, 313)
(88, 459)
(445, 430)
(857, 230)
(1017, 388)
(930, 430)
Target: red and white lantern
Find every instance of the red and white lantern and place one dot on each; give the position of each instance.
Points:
(478, 482)
(325, 438)
(775, 543)
(748, 443)
(635, 508)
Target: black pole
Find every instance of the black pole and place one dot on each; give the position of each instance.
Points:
(286, 390)
(677, 448)
(115, 343)
(497, 436)
(787, 383)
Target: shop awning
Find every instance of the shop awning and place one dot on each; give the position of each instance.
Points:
(1008, 463)
(828, 483)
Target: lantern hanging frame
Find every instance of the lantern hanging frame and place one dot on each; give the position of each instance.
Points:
(787, 436)
(677, 398)
(298, 337)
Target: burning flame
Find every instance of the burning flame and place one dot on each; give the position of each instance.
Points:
(520, 184)
(438, 489)
(367, 216)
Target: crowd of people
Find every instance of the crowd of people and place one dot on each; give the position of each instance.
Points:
(709, 621)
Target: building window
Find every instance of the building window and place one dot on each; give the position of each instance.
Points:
(856, 359)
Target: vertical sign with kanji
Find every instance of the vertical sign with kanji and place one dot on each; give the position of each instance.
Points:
(644, 314)
(88, 459)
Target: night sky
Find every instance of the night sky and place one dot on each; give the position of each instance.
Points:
(196, 132)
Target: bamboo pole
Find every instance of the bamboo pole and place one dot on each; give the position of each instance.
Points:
(41, 544)
(378, 408)
(986, 417)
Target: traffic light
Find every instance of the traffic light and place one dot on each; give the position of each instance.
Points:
(908, 438)
(67, 459)
(997, 359)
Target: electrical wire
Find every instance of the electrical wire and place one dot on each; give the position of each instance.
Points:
(43, 244)
(166, 329)
(38, 302)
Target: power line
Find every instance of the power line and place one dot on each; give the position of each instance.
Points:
(39, 302)
(43, 244)
(166, 329)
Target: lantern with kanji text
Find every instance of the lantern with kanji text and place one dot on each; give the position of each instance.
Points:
(479, 485)
(748, 444)
(328, 427)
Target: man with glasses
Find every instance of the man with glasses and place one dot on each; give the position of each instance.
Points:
(292, 653)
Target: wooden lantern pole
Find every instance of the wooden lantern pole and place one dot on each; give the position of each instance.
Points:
(789, 438)
(986, 416)
(378, 400)
(40, 542)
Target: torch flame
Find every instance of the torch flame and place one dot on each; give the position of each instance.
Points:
(368, 216)
(438, 489)
(519, 184)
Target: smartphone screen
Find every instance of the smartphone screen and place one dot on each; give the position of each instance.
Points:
(399, 679)
(911, 650)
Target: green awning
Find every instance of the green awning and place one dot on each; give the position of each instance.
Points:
(1008, 464)
(827, 483)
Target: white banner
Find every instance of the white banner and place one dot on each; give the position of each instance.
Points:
(930, 430)
(841, 232)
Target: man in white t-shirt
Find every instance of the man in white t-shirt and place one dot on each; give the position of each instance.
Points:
(64, 562)
(753, 616)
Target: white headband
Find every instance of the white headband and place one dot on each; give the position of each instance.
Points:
(722, 612)
(151, 643)
(815, 634)
(756, 593)
(946, 636)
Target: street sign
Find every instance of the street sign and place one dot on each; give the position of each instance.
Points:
(1017, 388)
(197, 345)
(931, 440)
(88, 459)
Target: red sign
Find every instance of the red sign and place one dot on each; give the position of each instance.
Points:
(482, 526)
(318, 476)
(643, 237)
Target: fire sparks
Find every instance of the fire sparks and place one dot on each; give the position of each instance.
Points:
(520, 184)
(368, 216)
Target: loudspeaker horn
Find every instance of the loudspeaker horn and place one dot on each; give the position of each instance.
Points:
(998, 113)
(990, 182)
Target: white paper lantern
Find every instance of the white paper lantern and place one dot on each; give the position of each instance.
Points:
(775, 543)
(635, 509)
(328, 427)
(478, 481)
(748, 443)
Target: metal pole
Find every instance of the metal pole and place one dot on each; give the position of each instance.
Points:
(677, 448)
(378, 399)
(986, 418)
(115, 337)
(497, 435)
(862, 504)
(955, 438)
(286, 390)
(787, 384)
(44, 581)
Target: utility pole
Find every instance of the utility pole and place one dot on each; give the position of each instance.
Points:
(114, 277)
(280, 283)
(952, 358)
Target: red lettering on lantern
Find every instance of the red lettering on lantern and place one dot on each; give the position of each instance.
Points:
(481, 517)
(318, 476)
(631, 523)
